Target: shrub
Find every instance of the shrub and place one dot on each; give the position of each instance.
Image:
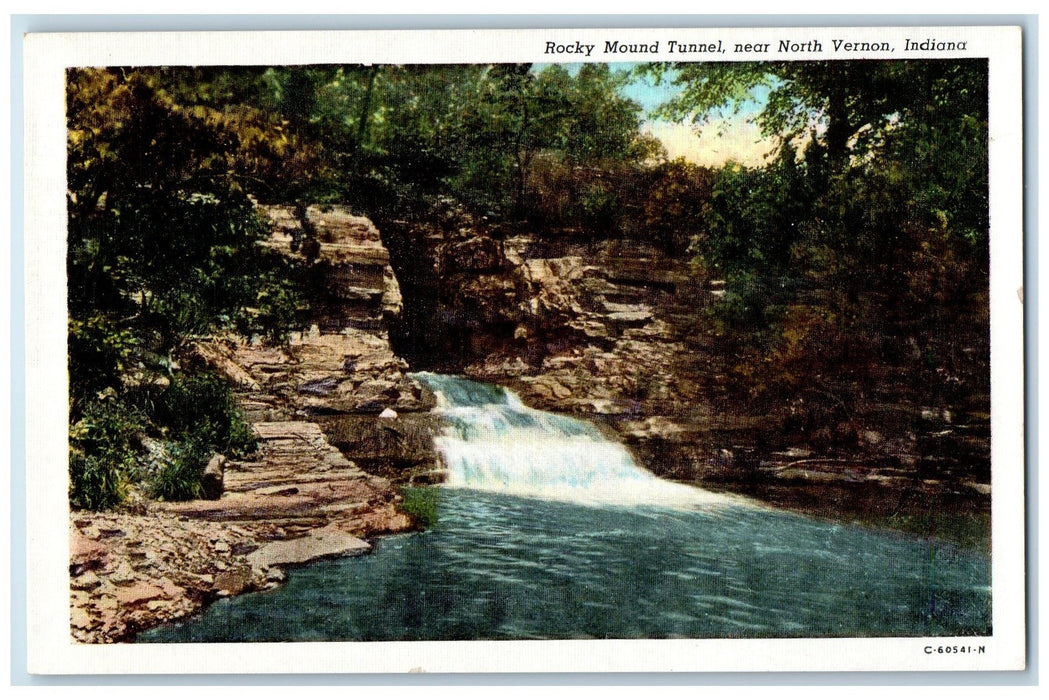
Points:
(200, 408)
(95, 482)
(199, 415)
(420, 502)
(103, 452)
(673, 203)
(180, 472)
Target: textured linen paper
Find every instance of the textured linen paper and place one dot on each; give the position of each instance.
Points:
(52, 649)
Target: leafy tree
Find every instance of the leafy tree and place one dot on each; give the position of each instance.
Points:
(163, 247)
(518, 114)
(392, 139)
(862, 245)
(754, 216)
(674, 207)
(850, 105)
(412, 149)
(273, 128)
(162, 233)
(603, 124)
(888, 145)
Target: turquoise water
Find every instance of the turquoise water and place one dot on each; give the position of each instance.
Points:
(547, 531)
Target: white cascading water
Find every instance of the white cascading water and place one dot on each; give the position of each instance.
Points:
(493, 442)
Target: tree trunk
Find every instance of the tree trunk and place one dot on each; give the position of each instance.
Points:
(366, 107)
(839, 127)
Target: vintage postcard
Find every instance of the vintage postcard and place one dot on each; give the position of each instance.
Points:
(525, 351)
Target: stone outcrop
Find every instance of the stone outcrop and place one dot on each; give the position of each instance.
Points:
(463, 297)
(318, 544)
(603, 330)
(135, 569)
(212, 482)
(612, 330)
(597, 336)
(354, 283)
(299, 498)
(585, 328)
(353, 371)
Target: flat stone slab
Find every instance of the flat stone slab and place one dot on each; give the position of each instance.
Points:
(281, 490)
(289, 430)
(316, 545)
(630, 317)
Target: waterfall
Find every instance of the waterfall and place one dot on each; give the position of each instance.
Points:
(493, 442)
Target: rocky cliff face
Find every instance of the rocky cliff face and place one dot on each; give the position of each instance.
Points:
(354, 285)
(338, 384)
(595, 329)
(611, 331)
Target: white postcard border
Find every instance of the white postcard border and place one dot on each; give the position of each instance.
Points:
(50, 648)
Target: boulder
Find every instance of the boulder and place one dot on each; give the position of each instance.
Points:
(233, 581)
(211, 482)
(318, 544)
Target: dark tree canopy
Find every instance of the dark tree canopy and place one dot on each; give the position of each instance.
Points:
(861, 243)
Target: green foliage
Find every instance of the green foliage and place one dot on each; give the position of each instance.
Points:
(392, 139)
(198, 416)
(863, 254)
(599, 204)
(674, 206)
(200, 410)
(601, 199)
(849, 107)
(163, 239)
(180, 471)
(517, 114)
(747, 299)
(279, 303)
(753, 216)
(163, 247)
(421, 503)
(99, 351)
(102, 452)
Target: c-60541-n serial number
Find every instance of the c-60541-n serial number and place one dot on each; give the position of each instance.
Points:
(955, 649)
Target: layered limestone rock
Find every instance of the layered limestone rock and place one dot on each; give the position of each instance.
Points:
(593, 329)
(613, 331)
(597, 337)
(354, 283)
(299, 498)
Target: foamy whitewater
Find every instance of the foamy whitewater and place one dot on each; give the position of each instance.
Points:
(493, 442)
(590, 552)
